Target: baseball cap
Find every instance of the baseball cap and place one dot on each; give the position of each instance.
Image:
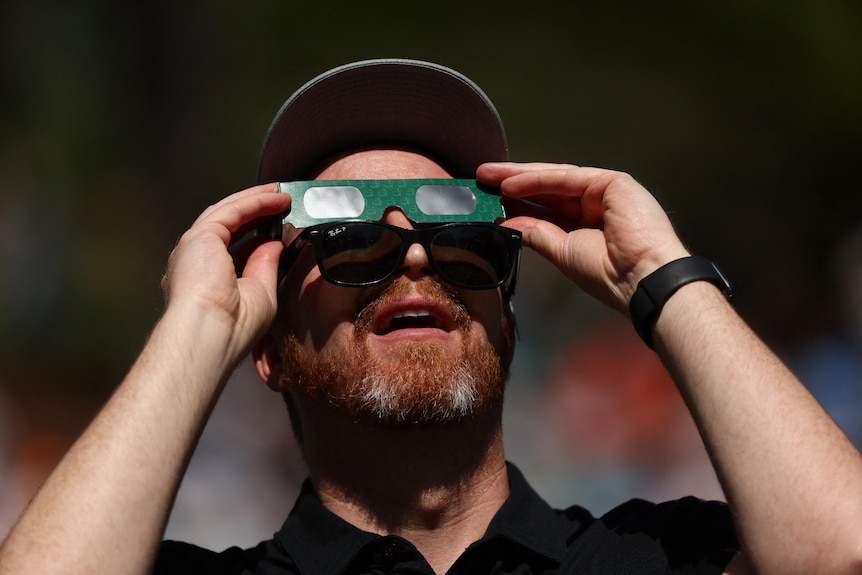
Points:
(417, 105)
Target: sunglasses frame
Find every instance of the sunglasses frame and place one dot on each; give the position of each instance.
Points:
(314, 236)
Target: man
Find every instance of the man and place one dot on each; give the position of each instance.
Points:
(395, 377)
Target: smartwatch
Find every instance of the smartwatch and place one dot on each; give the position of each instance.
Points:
(655, 289)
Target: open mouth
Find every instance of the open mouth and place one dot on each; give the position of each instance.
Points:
(403, 317)
(411, 320)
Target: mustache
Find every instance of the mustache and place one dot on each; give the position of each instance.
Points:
(400, 288)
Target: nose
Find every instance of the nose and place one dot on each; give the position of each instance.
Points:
(394, 216)
(416, 263)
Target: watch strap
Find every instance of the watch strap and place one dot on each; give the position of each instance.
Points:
(654, 290)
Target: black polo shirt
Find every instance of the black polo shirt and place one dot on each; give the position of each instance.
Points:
(525, 537)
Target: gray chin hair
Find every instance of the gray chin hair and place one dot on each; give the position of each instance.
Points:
(383, 399)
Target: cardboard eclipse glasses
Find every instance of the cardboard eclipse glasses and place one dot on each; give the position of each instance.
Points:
(422, 200)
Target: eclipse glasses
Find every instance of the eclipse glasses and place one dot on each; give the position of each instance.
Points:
(426, 200)
(354, 249)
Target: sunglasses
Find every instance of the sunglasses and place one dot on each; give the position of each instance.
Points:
(362, 253)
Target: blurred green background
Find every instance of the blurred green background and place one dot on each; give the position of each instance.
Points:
(121, 121)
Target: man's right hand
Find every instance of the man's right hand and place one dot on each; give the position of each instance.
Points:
(127, 466)
(202, 278)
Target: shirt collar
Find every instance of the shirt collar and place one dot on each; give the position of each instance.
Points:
(526, 519)
(316, 539)
(319, 541)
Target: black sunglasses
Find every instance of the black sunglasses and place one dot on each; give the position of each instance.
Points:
(363, 253)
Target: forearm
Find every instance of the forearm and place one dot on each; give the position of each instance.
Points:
(791, 476)
(105, 506)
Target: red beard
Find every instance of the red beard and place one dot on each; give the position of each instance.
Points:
(424, 384)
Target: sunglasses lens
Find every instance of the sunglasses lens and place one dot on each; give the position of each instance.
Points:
(472, 256)
(360, 253)
(364, 253)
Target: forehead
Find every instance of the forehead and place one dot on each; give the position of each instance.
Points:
(382, 165)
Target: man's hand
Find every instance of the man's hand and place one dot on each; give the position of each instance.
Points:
(601, 228)
(758, 422)
(202, 274)
(114, 488)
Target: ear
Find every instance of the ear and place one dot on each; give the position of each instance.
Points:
(267, 361)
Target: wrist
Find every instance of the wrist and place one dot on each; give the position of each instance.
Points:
(202, 336)
(658, 287)
(648, 263)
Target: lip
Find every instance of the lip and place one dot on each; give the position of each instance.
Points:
(414, 316)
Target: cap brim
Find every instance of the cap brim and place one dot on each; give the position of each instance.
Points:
(388, 102)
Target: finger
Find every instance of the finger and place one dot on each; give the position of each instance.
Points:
(259, 282)
(562, 211)
(495, 172)
(540, 235)
(241, 250)
(262, 264)
(563, 191)
(572, 181)
(548, 239)
(239, 212)
(254, 190)
(579, 255)
(598, 189)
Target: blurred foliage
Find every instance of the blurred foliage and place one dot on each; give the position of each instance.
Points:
(122, 120)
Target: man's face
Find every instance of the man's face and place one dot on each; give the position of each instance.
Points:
(410, 350)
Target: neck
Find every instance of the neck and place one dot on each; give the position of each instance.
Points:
(436, 486)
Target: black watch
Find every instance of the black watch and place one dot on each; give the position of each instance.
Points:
(655, 289)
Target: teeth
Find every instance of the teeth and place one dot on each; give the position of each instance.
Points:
(412, 313)
(410, 318)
